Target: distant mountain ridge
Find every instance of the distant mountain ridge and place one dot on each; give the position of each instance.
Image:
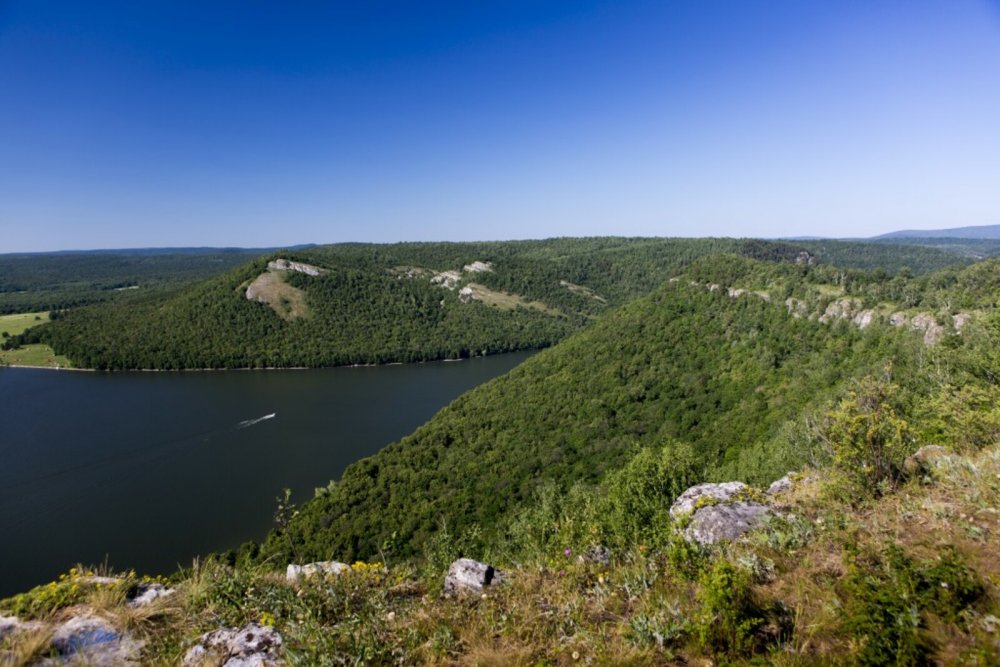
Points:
(991, 232)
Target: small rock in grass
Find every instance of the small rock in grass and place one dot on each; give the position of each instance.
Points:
(147, 592)
(466, 574)
(597, 554)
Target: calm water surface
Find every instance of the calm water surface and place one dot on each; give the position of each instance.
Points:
(148, 470)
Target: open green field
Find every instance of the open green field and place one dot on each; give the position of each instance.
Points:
(29, 355)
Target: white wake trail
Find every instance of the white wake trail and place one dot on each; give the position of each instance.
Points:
(250, 422)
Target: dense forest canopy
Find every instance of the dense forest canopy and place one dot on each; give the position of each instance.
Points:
(730, 376)
(373, 303)
(54, 281)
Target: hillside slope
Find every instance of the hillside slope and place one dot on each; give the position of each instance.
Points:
(406, 302)
(729, 377)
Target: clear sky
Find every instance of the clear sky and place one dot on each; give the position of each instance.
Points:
(143, 123)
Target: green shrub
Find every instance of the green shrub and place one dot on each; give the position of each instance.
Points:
(730, 616)
(887, 600)
(639, 495)
(869, 438)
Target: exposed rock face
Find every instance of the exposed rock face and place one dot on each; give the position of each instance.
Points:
(929, 325)
(253, 645)
(898, 319)
(735, 292)
(296, 572)
(446, 279)
(686, 502)
(924, 459)
(478, 267)
(863, 318)
(467, 575)
(146, 593)
(841, 309)
(88, 640)
(724, 517)
(796, 307)
(959, 320)
(288, 265)
(466, 295)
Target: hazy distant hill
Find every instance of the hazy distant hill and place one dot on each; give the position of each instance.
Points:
(976, 232)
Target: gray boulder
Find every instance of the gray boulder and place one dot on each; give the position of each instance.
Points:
(296, 572)
(253, 645)
(725, 522)
(687, 501)
(467, 575)
(718, 512)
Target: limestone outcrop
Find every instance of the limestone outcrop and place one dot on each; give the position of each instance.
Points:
(296, 572)
(253, 645)
(478, 267)
(288, 265)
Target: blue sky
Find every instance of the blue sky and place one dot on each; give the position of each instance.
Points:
(127, 124)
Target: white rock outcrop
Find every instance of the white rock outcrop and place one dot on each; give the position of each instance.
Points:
(296, 572)
(288, 265)
(466, 295)
(446, 279)
(478, 267)
(929, 325)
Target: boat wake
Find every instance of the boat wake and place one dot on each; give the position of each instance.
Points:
(250, 422)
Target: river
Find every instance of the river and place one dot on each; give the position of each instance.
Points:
(149, 470)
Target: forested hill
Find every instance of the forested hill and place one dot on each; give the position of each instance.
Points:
(730, 378)
(365, 303)
(31, 282)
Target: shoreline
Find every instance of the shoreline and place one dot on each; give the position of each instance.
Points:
(259, 368)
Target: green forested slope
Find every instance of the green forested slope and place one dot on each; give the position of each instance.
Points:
(725, 375)
(50, 281)
(376, 303)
